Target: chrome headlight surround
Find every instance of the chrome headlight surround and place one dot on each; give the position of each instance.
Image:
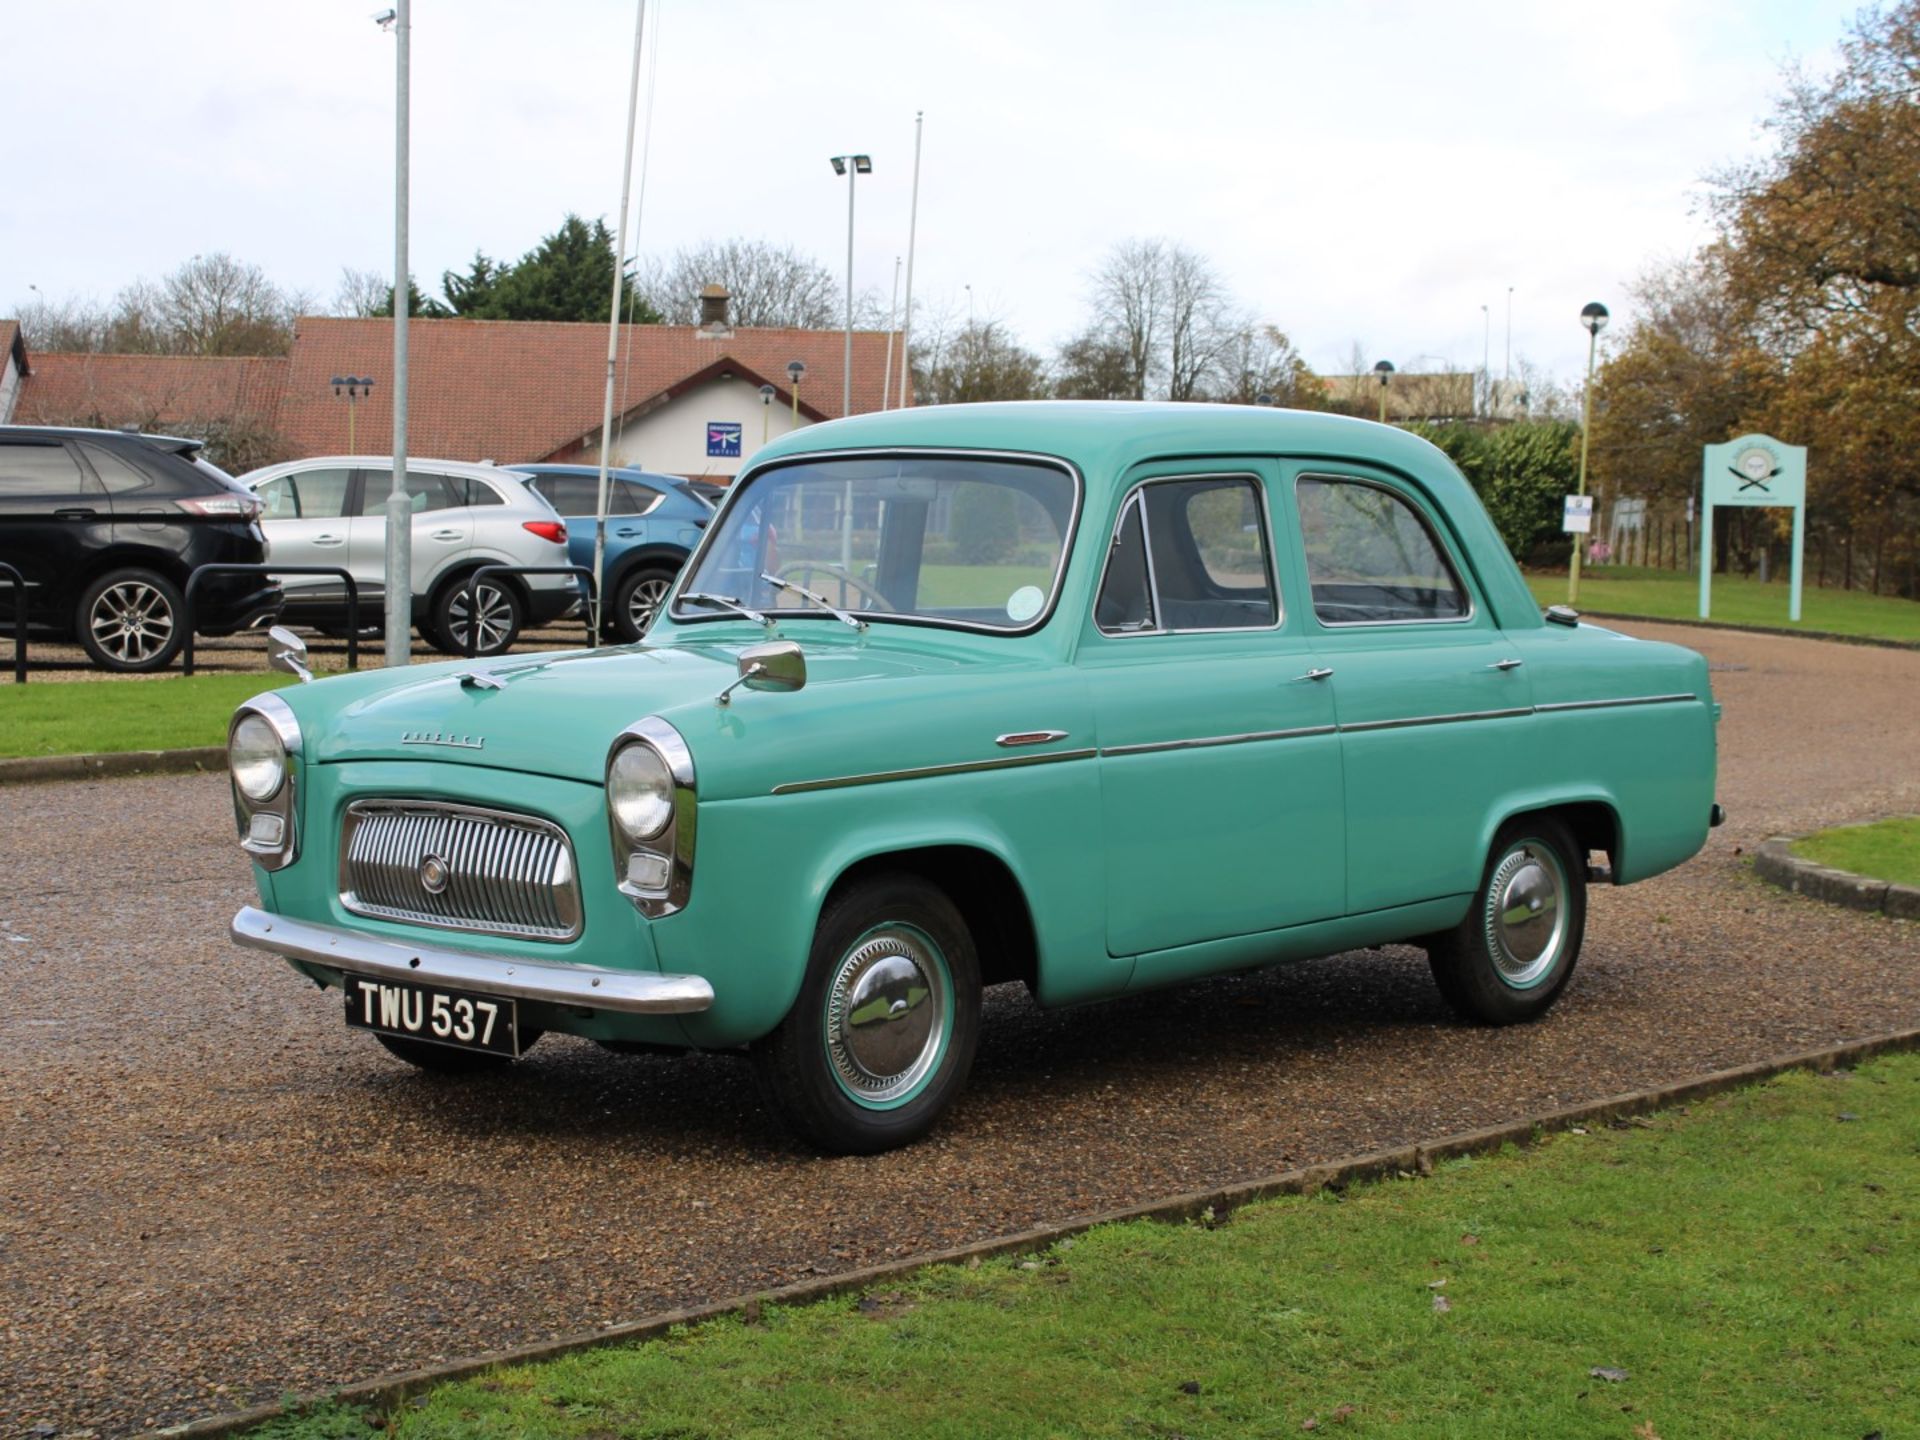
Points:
(656, 872)
(269, 828)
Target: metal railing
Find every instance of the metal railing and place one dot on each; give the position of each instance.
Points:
(353, 601)
(473, 597)
(11, 576)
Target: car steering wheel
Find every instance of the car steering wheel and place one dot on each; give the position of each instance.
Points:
(802, 573)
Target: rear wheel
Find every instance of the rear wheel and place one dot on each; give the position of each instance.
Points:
(1513, 953)
(638, 601)
(501, 615)
(130, 620)
(446, 1060)
(882, 1036)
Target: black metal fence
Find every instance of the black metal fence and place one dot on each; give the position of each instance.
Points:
(353, 601)
(473, 596)
(11, 576)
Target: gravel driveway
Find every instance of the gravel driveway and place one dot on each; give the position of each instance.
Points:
(211, 1193)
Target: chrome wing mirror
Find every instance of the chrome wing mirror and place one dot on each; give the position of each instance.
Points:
(287, 652)
(776, 665)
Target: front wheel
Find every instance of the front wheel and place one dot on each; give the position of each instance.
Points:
(882, 1036)
(501, 616)
(1513, 954)
(638, 600)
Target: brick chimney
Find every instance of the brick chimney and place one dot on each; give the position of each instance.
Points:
(714, 324)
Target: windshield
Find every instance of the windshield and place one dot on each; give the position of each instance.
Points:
(955, 540)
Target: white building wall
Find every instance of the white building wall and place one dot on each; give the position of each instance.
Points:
(9, 387)
(673, 438)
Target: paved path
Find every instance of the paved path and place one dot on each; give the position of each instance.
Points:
(211, 1193)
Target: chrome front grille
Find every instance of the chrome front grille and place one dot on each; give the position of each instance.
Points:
(459, 868)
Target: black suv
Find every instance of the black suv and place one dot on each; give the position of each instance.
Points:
(106, 525)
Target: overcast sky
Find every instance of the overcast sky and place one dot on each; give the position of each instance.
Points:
(1367, 173)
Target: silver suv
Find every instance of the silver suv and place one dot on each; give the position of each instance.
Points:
(332, 510)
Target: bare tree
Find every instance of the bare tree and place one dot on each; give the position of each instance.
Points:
(1094, 365)
(1129, 303)
(1261, 366)
(1200, 326)
(217, 305)
(982, 362)
(362, 293)
(62, 325)
(770, 285)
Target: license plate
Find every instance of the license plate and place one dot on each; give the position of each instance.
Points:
(459, 1018)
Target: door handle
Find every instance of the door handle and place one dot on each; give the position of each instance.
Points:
(447, 535)
(329, 540)
(1316, 673)
(1506, 665)
(76, 512)
(626, 533)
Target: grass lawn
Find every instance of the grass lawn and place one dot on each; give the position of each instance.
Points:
(1886, 850)
(1748, 1267)
(159, 714)
(1671, 595)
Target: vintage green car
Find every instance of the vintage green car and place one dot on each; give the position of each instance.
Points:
(1094, 697)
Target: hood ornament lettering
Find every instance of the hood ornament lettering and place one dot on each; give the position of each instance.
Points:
(442, 737)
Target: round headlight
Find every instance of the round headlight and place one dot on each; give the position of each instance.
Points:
(640, 792)
(257, 758)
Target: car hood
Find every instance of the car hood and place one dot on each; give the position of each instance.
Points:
(557, 714)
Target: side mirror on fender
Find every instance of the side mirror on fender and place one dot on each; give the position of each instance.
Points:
(287, 652)
(777, 665)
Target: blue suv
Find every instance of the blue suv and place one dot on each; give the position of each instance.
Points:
(653, 523)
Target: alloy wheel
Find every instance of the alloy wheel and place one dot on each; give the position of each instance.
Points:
(132, 622)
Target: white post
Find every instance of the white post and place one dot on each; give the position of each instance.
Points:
(613, 328)
(398, 599)
(1706, 553)
(893, 309)
(913, 223)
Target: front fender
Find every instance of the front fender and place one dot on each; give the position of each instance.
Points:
(766, 865)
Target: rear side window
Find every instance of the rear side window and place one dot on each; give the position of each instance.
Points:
(28, 470)
(427, 489)
(1189, 554)
(579, 495)
(1371, 558)
(121, 477)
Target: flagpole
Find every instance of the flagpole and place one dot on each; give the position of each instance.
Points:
(613, 326)
(886, 372)
(913, 224)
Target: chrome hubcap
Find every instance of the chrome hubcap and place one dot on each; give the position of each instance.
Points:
(887, 1014)
(131, 621)
(1526, 914)
(496, 619)
(644, 603)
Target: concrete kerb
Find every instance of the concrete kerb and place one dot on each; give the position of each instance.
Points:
(31, 768)
(1775, 861)
(1406, 1161)
(1878, 641)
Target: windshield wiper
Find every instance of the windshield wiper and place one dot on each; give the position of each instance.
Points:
(832, 609)
(728, 602)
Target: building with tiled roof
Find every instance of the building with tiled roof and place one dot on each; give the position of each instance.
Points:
(688, 398)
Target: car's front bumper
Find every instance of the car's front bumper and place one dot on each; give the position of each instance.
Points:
(332, 947)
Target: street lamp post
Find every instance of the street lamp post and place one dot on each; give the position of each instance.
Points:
(1384, 369)
(795, 370)
(1486, 354)
(766, 411)
(398, 593)
(1594, 317)
(352, 387)
(850, 166)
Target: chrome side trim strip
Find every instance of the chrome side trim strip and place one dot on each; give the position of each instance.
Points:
(1029, 737)
(881, 777)
(1203, 742)
(1152, 746)
(1410, 721)
(623, 991)
(1613, 704)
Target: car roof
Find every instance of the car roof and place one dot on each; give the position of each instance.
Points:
(178, 444)
(385, 462)
(625, 472)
